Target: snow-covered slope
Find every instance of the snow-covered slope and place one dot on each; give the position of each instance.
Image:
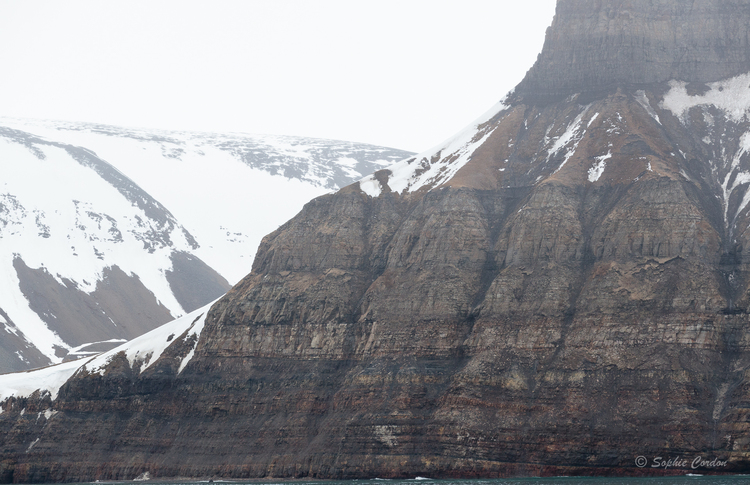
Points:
(87, 257)
(437, 165)
(228, 190)
(141, 352)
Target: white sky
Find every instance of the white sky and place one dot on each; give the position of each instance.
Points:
(406, 74)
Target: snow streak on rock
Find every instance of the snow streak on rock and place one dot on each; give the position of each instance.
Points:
(143, 351)
(572, 136)
(438, 165)
(723, 116)
(598, 169)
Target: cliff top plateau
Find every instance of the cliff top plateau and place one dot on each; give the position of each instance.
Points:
(595, 45)
(563, 288)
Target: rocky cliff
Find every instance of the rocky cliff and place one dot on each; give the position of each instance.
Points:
(594, 45)
(560, 289)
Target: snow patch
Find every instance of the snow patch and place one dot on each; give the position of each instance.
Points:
(196, 330)
(740, 178)
(152, 344)
(32, 445)
(386, 434)
(78, 352)
(148, 347)
(730, 95)
(598, 169)
(570, 133)
(642, 99)
(573, 135)
(49, 379)
(708, 119)
(370, 186)
(110, 341)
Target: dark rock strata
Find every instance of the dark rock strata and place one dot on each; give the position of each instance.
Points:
(595, 45)
(536, 315)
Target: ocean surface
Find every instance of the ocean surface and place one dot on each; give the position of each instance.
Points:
(675, 480)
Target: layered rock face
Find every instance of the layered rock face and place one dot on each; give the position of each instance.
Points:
(598, 44)
(561, 289)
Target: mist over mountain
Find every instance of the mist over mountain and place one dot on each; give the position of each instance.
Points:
(560, 289)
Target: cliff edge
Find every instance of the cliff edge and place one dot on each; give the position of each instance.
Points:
(595, 45)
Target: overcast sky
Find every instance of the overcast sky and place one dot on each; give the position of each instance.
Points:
(405, 74)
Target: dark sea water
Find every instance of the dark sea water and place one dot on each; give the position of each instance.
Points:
(676, 480)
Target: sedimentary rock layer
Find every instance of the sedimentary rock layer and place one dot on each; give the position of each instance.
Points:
(594, 45)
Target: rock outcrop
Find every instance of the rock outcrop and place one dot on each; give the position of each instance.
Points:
(562, 289)
(595, 45)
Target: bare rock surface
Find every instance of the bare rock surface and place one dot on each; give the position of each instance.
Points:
(594, 45)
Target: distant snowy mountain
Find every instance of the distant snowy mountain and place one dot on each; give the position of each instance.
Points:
(106, 233)
(88, 258)
(228, 190)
